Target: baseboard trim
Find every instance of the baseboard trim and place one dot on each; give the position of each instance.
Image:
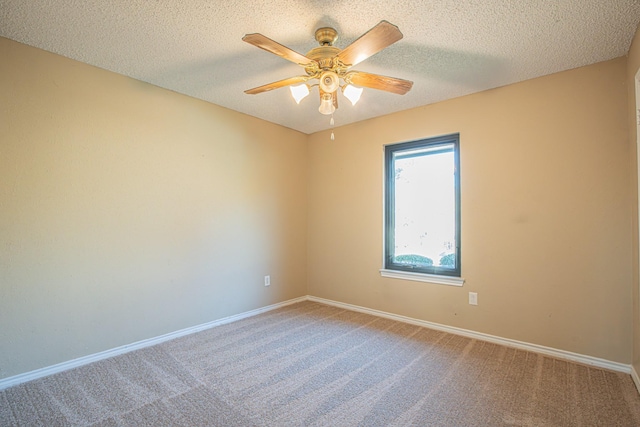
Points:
(553, 352)
(560, 354)
(635, 377)
(64, 366)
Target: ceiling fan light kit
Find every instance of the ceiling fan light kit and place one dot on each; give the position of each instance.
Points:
(352, 93)
(329, 81)
(326, 104)
(330, 66)
(299, 92)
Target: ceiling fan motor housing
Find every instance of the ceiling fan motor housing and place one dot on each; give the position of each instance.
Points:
(327, 69)
(323, 55)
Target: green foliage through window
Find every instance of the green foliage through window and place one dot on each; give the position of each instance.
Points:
(448, 260)
(414, 260)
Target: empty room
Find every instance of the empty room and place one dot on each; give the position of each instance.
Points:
(305, 213)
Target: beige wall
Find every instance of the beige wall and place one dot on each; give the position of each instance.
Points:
(633, 66)
(128, 211)
(546, 224)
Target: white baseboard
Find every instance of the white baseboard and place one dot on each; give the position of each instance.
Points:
(64, 366)
(636, 379)
(559, 354)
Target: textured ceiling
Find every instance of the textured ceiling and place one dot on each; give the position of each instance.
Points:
(450, 47)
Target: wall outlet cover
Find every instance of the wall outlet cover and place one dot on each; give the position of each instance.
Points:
(473, 298)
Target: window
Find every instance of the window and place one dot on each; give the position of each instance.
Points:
(422, 210)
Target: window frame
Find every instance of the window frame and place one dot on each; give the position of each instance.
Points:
(434, 274)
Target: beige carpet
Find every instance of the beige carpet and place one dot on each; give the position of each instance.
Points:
(310, 364)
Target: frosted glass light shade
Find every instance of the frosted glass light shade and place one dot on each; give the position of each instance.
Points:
(299, 92)
(326, 105)
(352, 93)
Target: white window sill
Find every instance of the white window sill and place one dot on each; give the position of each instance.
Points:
(423, 277)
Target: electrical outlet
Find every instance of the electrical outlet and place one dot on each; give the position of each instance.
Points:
(267, 280)
(473, 298)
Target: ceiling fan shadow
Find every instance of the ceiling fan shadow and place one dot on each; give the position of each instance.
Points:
(222, 71)
(467, 69)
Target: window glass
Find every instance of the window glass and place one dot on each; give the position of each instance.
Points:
(422, 199)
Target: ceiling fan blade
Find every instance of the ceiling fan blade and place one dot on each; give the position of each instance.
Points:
(278, 84)
(276, 48)
(375, 81)
(373, 41)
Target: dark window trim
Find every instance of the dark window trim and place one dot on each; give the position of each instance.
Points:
(389, 207)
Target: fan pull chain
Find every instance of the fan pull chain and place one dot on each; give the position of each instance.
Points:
(331, 122)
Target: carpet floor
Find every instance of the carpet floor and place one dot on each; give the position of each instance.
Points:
(310, 364)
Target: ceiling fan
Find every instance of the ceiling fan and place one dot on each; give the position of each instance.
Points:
(331, 65)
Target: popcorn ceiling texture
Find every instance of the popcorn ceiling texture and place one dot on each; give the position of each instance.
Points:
(450, 47)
